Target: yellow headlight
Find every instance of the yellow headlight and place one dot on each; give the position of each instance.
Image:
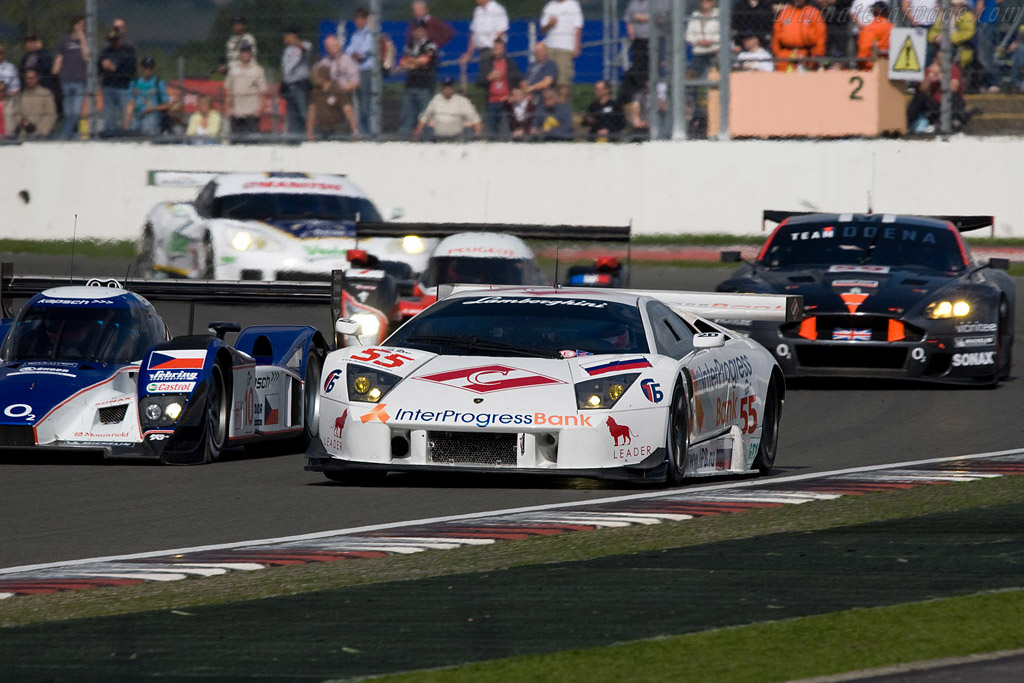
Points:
(594, 401)
(615, 390)
(961, 309)
(173, 410)
(412, 244)
(943, 309)
(361, 385)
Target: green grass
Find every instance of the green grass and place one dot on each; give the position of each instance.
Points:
(241, 586)
(777, 651)
(92, 248)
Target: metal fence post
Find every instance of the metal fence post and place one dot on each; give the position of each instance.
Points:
(91, 80)
(615, 48)
(653, 69)
(677, 69)
(724, 67)
(946, 64)
(377, 77)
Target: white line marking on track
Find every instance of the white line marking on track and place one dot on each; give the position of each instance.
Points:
(746, 483)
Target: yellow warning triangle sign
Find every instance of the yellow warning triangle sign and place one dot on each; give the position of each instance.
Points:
(907, 59)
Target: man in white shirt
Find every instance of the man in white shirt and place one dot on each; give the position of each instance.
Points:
(490, 20)
(754, 57)
(449, 115)
(561, 22)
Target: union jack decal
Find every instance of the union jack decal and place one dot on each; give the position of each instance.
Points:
(846, 334)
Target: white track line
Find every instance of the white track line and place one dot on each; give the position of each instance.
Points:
(759, 481)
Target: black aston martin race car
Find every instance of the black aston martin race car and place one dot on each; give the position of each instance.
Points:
(884, 296)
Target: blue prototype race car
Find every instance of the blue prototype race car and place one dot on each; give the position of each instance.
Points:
(93, 369)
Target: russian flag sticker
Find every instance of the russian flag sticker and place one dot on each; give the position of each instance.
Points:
(167, 359)
(618, 366)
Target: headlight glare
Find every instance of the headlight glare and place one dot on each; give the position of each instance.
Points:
(938, 310)
(160, 411)
(173, 410)
(370, 323)
(369, 386)
(242, 240)
(412, 244)
(602, 392)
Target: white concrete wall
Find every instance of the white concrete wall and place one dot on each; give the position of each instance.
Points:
(665, 187)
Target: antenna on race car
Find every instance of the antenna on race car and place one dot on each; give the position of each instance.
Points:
(74, 236)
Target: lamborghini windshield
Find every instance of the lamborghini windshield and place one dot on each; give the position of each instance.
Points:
(874, 244)
(443, 270)
(282, 205)
(496, 325)
(88, 334)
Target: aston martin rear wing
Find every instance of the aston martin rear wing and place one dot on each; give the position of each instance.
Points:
(574, 233)
(962, 223)
(172, 178)
(713, 305)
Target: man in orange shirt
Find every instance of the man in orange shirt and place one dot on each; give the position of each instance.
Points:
(799, 32)
(875, 33)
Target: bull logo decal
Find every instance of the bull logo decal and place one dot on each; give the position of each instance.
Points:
(619, 432)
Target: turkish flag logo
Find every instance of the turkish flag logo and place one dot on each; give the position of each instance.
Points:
(484, 379)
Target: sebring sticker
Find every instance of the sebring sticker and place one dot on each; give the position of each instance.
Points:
(972, 359)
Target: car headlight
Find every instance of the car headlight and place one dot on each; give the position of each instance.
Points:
(252, 240)
(938, 310)
(370, 324)
(367, 385)
(412, 244)
(603, 393)
(161, 410)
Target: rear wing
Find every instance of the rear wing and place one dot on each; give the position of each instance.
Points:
(713, 305)
(170, 178)
(962, 223)
(578, 233)
(190, 291)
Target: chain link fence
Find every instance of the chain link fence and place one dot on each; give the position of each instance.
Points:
(192, 48)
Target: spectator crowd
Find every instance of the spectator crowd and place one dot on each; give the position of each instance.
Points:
(327, 90)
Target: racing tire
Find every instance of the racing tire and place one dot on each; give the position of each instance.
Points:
(217, 415)
(310, 401)
(766, 450)
(144, 261)
(677, 437)
(206, 259)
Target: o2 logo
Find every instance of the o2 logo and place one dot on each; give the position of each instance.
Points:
(17, 410)
(332, 377)
(652, 391)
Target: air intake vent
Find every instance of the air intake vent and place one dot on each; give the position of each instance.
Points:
(801, 279)
(468, 448)
(17, 435)
(113, 414)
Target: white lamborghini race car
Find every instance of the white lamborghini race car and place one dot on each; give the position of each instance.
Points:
(618, 384)
(265, 226)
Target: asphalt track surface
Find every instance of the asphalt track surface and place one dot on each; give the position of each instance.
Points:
(68, 509)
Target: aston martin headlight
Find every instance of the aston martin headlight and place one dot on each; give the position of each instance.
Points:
(153, 412)
(938, 310)
(370, 323)
(173, 410)
(604, 392)
(367, 385)
(242, 240)
(412, 244)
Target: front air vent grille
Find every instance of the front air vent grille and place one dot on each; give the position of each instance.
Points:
(113, 414)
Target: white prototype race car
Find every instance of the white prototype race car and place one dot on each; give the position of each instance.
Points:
(615, 384)
(265, 226)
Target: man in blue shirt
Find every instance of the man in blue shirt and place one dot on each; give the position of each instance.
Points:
(147, 101)
(360, 48)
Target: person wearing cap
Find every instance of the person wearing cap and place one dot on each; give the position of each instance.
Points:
(117, 67)
(9, 74)
(753, 56)
(295, 84)
(419, 62)
(71, 65)
(147, 101)
(245, 89)
(874, 37)
(561, 22)
(449, 115)
(238, 37)
(360, 48)
(39, 58)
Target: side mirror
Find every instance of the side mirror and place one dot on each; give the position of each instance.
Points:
(347, 327)
(222, 328)
(395, 212)
(731, 257)
(999, 263)
(709, 340)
